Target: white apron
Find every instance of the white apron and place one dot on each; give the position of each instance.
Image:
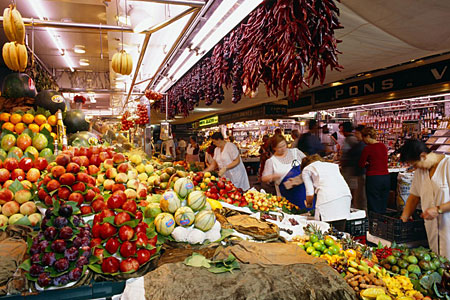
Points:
(237, 175)
(434, 192)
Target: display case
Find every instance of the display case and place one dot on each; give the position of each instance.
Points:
(440, 141)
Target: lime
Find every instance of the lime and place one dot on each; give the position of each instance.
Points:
(329, 242)
(313, 238)
(322, 242)
(308, 244)
(315, 253)
(414, 269)
(327, 251)
(310, 250)
(412, 259)
(322, 248)
(335, 249)
(427, 257)
(302, 246)
(317, 245)
(391, 259)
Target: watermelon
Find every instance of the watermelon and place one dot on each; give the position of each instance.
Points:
(75, 121)
(183, 187)
(50, 100)
(196, 200)
(170, 202)
(184, 216)
(205, 220)
(164, 224)
(17, 85)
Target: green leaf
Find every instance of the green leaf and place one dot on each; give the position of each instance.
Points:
(23, 221)
(96, 268)
(29, 277)
(224, 234)
(13, 155)
(427, 281)
(197, 260)
(26, 265)
(109, 220)
(16, 186)
(42, 111)
(29, 155)
(132, 223)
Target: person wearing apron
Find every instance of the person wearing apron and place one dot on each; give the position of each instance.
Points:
(430, 187)
(279, 165)
(333, 194)
(228, 160)
(192, 150)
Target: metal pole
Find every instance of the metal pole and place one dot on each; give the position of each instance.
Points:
(71, 25)
(192, 3)
(169, 21)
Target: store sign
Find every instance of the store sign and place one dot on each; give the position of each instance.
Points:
(208, 121)
(414, 77)
(255, 113)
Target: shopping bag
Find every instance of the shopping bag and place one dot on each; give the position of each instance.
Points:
(297, 194)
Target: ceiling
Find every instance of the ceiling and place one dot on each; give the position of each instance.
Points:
(377, 34)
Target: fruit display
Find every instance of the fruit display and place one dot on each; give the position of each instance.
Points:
(266, 202)
(13, 25)
(60, 251)
(142, 113)
(126, 123)
(15, 56)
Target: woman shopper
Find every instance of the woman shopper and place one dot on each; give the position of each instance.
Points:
(277, 166)
(228, 160)
(333, 194)
(192, 151)
(430, 187)
(375, 158)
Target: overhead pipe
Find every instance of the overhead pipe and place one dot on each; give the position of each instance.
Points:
(145, 44)
(72, 25)
(192, 3)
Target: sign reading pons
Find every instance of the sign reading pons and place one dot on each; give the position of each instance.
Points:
(208, 121)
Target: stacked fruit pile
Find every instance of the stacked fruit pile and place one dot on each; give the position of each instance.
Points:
(266, 202)
(126, 123)
(27, 133)
(16, 197)
(60, 251)
(143, 115)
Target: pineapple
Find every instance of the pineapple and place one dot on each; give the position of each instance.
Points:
(311, 229)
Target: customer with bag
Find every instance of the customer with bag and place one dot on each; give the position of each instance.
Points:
(333, 194)
(281, 163)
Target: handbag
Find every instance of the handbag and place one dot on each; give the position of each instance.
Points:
(297, 194)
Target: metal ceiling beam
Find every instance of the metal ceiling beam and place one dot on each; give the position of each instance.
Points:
(72, 25)
(145, 44)
(192, 3)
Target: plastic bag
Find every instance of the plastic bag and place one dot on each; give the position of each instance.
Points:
(297, 194)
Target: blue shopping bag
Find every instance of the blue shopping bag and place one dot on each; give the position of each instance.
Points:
(296, 195)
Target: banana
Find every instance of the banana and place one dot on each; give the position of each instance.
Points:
(5, 54)
(352, 270)
(14, 58)
(7, 24)
(23, 56)
(13, 25)
(353, 264)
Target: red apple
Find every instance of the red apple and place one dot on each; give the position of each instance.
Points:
(26, 163)
(139, 215)
(103, 156)
(79, 187)
(120, 194)
(90, 195)
(142, 239)
(94, 160)
(42, 194)
(98, 205)
(110, 265)
(96, 230)
(112, 245)
(83, 177)
(49, 200)
(77, 160)
(11, 163)
(118, 158)
(62, 159)
(107, 231)
(130, 206)
(108, 213)
(118, 187)
(115, 202)
(152, 241)
(127, 249)
(46, 179)
(95, 242)
(6, 196)
(73, 168)
(33, 175)
(63, 193)
(121, 218)
(111, 173)
(126, 233)
(129, 265)
(142, 193)
(141, 227)
(67, 179)
(143, 256)
(92, 170)
(18, 174)
(98, 252)
(4, 175)
(123, 168)
(85, 210)
(76, 197)
(91, 181)
(58, 171)
(108, 164)
(40, 163)
(84, 161)
(83, 151)
(53, 185)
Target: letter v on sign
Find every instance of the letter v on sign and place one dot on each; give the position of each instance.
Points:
(437, 75)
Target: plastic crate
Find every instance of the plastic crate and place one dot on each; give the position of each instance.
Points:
(389, 227)
(357, 227)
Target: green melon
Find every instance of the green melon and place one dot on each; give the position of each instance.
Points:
(184, 216)
(205, 220)
(170, 202)
(164, 224)
(183, 187)
(17, 85)
(50, 100)
(196, 200)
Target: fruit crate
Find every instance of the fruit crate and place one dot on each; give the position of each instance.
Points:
(389, 227)
(104, 289)
(357, 227)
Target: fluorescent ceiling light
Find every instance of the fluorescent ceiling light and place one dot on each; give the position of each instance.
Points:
(79, 49)
(336, 83)
(84, 62)
(38, 10)
(202, 109)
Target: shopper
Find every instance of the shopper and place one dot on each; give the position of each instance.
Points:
(430, 187)
(359, 200)
(209, 155)
(327, 141)
(339, 137)
(228, 160)
(280, 163)
(309, 143)
(182, 148)
(192, 151)
(375, 158)
(333, 194)
(295, 134)
(347, 159)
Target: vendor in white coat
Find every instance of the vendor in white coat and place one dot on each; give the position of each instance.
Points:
(430, 187)
(228, 160)
(333, 194)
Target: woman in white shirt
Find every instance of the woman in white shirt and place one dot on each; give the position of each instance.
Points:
(277, 167)
(192, 150)
(228, 160)
(333, 194)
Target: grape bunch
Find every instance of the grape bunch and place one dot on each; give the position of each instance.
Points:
(126, 124)
(143, 115)
(60, 252)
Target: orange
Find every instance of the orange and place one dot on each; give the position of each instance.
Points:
(9, 126)
(5, 117)
(28, 118)
(40, 119)
(52, 120)
(15, 118)
(19, 128)
(34, 128)
(49, 128)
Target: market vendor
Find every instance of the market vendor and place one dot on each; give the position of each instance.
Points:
(192, 151)
(430, 187)
(333, 194)
(228, 160)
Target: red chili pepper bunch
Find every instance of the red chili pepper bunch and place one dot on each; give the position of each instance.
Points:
(382, 253)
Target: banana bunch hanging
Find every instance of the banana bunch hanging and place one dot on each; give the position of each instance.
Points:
(15, 52)
(122, 63)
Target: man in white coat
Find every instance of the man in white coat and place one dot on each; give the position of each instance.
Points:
(430, 187)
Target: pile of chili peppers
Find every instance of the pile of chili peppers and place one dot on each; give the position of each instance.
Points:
(285, 44)
(382, 253)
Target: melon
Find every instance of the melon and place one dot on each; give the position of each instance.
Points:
(170, 202)
(184, 216)
(196, 200)
(17, 85)
(205, 220)
(50, 100)
(152, 210)
(183, 187)
(75, 121)
(164, 224)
